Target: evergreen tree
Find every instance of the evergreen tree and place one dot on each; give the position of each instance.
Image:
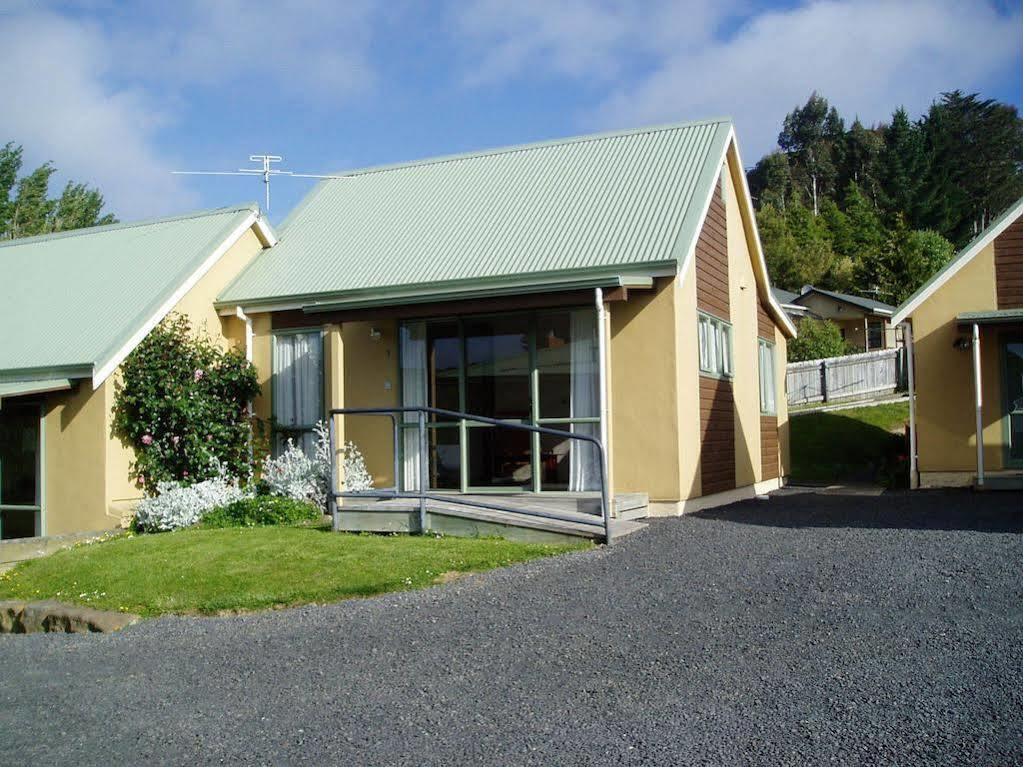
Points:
(811, 135)
(10, 165)
(32, 208)
(770, 181)
(860, 159)
(976, 156)
(26, 208)
(901, 169)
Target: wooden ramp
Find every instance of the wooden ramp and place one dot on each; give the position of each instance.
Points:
(578, 514)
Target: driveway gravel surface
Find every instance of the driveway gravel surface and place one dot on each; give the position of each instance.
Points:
(804, 629)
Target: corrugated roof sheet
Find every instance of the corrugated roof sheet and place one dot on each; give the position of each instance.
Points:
(71, 300)
(578, 206)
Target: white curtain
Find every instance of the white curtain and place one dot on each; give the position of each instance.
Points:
(413, 393)
(298, 384)
(583, 461)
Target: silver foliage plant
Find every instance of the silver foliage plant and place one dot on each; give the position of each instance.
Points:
(176, 505)
(293, 474)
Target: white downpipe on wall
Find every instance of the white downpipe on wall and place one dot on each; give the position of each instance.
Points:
(598, 297)
(240, 314)
(979, 399)
(907, 338)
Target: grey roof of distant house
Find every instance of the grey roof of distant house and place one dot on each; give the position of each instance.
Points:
(868, 304)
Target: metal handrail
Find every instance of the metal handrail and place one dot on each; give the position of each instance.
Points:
(423, 494)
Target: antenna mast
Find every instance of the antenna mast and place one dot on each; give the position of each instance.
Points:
(266, 171)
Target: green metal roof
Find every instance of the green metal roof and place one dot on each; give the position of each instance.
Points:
(72, 300)
(20, 388)
(993, 317)
(591, 206)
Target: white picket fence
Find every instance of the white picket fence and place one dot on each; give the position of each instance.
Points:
(848, 378)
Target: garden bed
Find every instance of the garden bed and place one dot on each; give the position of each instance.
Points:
(210, 571)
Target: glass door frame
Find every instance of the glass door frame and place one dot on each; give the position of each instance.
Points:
(464, 425)
(1004, 340)
(39, 507)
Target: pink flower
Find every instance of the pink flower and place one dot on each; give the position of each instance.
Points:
(140, 480)
(197, 375)
(147, 439)
(175, 439)
(184, 474)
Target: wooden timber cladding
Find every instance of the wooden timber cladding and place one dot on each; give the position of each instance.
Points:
(765, 325)
(717, 435)
(768, 447)
(712, 260)
(717, 401)
(1009, 266)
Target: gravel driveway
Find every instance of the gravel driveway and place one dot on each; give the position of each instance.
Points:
(800, 630)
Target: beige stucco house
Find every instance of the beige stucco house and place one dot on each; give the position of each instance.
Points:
(967, 351)
(74, 306)
(610, 287)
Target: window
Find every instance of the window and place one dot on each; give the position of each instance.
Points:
(715, 337)
(297, 388)
(20, 503)
(875, 335)
(768, 404)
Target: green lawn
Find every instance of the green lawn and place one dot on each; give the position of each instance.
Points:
(863, 443)
(209, 571)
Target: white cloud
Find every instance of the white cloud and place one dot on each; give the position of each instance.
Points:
(309, 48)
(57, 106)
(865, 56)
(96, 98)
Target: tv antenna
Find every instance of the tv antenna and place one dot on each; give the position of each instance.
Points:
(266, 160)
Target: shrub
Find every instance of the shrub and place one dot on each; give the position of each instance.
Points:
(262, 510)
(817, 340)
(293, 474)
(176, 505)
(181, 403)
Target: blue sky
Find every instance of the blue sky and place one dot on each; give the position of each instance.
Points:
(120, 94)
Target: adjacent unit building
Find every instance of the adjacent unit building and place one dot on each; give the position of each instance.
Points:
(74, 306)
(967, 326)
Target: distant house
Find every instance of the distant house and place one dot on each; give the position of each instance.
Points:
(864, 322)
(74, 306)
(611, 286)
(967, 341)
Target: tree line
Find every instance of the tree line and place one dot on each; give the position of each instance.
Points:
(26, 208)
(875, 211)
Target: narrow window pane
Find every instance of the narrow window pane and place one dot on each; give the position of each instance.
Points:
(497, 367)
(298, 379)
(499, 457)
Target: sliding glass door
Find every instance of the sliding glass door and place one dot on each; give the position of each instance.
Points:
(527, 368)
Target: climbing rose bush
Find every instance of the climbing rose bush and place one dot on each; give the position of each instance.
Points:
(181, 403)
(176, 505)
(293, 474)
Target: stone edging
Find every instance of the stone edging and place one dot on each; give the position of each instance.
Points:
(50, 616)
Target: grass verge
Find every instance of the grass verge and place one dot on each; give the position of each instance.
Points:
(863, 443)
(208, 571)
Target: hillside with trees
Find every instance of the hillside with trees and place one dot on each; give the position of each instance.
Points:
(874, 211)
(26, 208)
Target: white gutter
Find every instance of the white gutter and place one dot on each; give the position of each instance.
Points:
(907, 337)
(979, 401)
